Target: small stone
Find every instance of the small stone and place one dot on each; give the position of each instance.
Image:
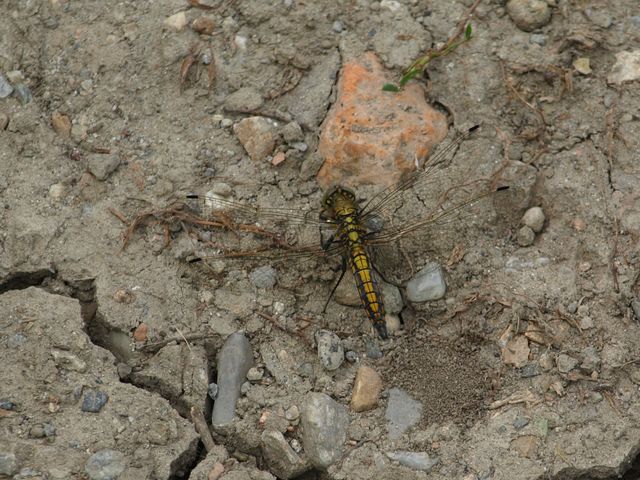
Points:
(203, 25)
(68, 360)
(101, 166)
(292, 132)
(24, 93)
(324, 429)
(525, 236)
(255, 374)
(264, 277)
(278, 158)
(546, 361)
(300, 146)
(529, 15)
(212, 390)
(292, 413)
(5, 87)
(366, 389)
(626, 68)
(582, 65)
(105, 465)
(330, 349)
(123, 370)
(245, 99)
(586, 323)
(337, 26)
(427, 285)
(351, 356)
(372, 349)
(534, 219)
(572, 307)
(7, 405)
(61, 124)
(392, 323)
(416, 460)
(590, 359)
(402, 412)
(526, 446)
(141, 332)
(538, 39)
(565, 363)
(258, 136)
(530, 370)
(283, 461)
(37, 431)
(57, 192)
(520, 422)
(8, 463)
(234, 361)
(226, 122)
(94, 400)
(4, 121)
(176, 22)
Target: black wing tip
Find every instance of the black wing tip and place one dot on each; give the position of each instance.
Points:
(474, 128)
(194, 260)
(504, 187)
(192, 196)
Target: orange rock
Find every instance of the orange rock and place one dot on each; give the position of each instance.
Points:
(140, 333)
(371, 136)
(366, 389)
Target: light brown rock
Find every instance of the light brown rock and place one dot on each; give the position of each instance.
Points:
(61, 124)
(258, 136)
(366, 389)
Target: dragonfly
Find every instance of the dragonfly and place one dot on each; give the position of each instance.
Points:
(352, 229)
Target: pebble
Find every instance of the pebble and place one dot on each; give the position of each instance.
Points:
(212, 390)
(525, 236)
(402, 412)
(61, 124)
(292, 132)
(68, 361)
(4, 121)
(292, 413)
(582, 65)
(257, 135)
(427, 285)
(520, 422)
(245, 99)
(565, 363)
(590, 359)
(330, 349)
(530, 370)
(57, 192)
(101, 166)
(626, 68)
(234, 361)
(141, 332)
(526, 446)
(105, 465)
(538, 39)
(337, 26)
(8, 463)
(16, 340)
(94, 400)
(392, 298)
(416, 460)
(324, 429)
(226, 122)
(7, 405)
(124, 371)
(24, 93)
(367, 387)
(176, 22)
(586, 323)
(283, 461)
(264, 277)
(203, 25)
(392, 323)
(546, 361)
(372, 350)
(255, 374)
(534, 219)
(529, 15)
(352, 356)
(5, 87)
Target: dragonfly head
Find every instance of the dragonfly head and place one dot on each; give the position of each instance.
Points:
(339, 201)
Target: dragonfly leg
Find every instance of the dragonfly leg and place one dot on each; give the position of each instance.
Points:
(335, 287)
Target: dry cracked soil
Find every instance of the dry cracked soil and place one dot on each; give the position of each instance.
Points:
(529, 368)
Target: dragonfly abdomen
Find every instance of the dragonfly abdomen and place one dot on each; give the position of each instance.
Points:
(366, 283)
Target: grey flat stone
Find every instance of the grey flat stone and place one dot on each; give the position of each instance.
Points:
(234, 361)
(324, 429)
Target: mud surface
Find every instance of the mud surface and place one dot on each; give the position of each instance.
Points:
(527, 369)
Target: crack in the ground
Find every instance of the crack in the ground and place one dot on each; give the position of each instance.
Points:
(25, 279)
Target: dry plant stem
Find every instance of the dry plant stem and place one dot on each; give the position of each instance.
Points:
(611, 129)
(155, 346)
(202, 427)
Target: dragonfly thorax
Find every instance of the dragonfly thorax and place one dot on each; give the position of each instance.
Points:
(340, 203)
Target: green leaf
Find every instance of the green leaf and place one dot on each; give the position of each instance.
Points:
(408, 76)
(467, 33)
(390, 87)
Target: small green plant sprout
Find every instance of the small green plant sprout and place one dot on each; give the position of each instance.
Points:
(421, 63)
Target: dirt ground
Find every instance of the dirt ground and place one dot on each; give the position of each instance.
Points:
(529, 368)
